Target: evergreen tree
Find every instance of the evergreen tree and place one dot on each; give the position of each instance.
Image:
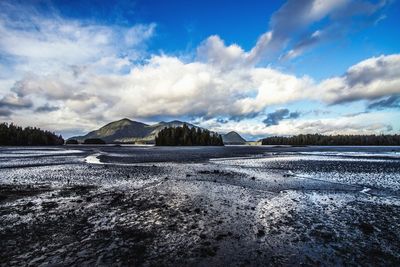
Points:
(71, 142)
(185, 136)
(334, 140)
(12, 135)
(94, 141)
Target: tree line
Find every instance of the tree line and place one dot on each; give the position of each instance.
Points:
(89, 141)
(94, 141)
(334, 140)
(185, 136)
(12, 135)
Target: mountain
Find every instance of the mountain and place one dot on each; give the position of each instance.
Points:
(233, 138)
(128, 131)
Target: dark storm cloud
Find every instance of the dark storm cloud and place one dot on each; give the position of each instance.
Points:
(281, 114)
(14, 102)
(238, 118)
(390, 102)
(381, 69)
(294, 115)
(371, 79)
(49, 87)
(9, 103)
(5, 112)
(46, 108)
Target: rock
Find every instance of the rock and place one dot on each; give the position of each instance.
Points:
(366, 228)
(260, 233)
(219, 237)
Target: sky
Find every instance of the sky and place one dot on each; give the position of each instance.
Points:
(260, 68)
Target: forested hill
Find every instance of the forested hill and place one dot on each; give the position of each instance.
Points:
(128, 131)
(185, 136)
(334, 140)
(233, 138)
(12, 135)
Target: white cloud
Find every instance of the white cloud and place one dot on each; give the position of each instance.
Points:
(363, 123)
(214, 52)
(135, 35)
(289, 34)
(45, 45)
(48, 60)
(293, 25)
(90, 73)
(167, 86)
(370, 79)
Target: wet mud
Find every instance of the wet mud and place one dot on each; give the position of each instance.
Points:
(229, 206)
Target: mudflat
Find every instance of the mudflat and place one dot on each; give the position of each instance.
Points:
(199, 206)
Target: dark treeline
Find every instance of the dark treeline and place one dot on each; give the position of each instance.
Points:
(12, 135)
(94, 141)
(185, 136)
(71, 142)
(334, 140)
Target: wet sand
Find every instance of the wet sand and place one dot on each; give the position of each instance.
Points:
(199, 206)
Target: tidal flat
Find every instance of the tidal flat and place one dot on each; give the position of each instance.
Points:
(199, 206)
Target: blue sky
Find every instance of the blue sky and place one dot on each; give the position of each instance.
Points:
(257, 67)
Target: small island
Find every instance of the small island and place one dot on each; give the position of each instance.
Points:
(185, 136)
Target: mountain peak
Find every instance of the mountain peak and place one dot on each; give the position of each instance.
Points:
(233, 138)
(124, 122)
(125, 119)
(128, 131)
(176, 121)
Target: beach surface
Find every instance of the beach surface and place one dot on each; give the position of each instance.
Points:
(199, 206)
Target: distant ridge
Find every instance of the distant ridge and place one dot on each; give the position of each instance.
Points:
(128, 131)
(233, 138)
